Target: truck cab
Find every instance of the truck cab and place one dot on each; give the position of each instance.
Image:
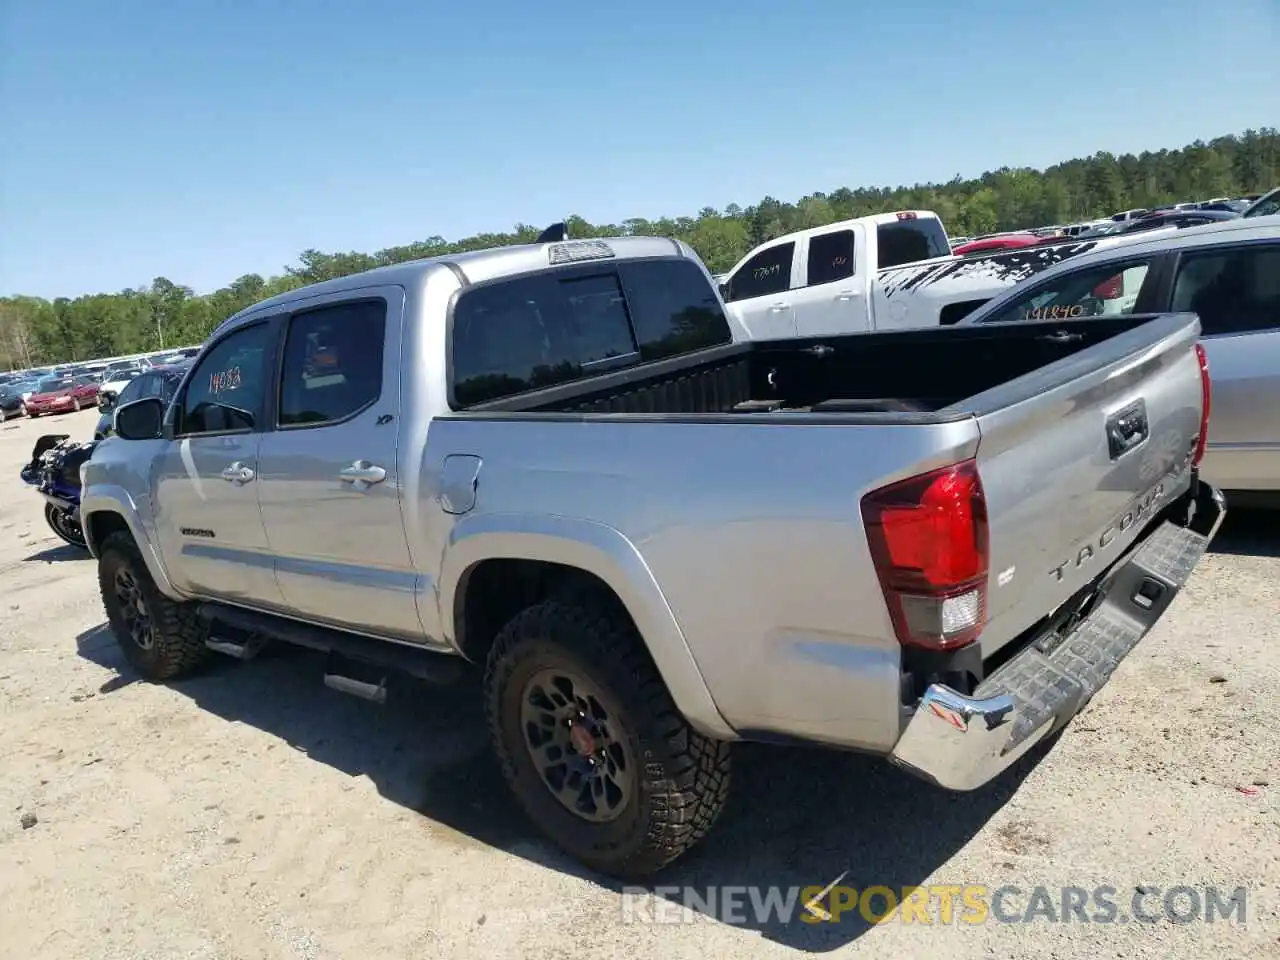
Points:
(823, 281)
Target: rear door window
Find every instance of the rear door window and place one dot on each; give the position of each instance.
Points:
(673, 308)
(830, 257)
(768, 272)
(1233, 291)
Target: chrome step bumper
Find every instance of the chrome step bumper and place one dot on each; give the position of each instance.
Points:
(961, 742)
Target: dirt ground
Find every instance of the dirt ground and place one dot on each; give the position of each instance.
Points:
(250, 812)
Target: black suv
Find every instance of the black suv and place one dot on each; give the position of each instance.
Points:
(159, 382)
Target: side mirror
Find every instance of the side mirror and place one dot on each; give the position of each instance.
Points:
(140, 420)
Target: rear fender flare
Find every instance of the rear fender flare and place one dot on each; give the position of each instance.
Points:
(604, 552)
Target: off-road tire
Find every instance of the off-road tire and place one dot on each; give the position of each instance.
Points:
(683, 776)
(177, 634)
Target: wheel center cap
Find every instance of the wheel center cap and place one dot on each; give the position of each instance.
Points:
(582, 740)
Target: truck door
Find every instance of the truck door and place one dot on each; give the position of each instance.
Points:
(833, 297)
(759, 291)
(328, 484)
(205, 480)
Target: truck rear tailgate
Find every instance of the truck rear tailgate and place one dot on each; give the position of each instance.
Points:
(1076, 459)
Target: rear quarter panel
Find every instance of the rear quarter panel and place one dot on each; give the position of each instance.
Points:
(751, 530)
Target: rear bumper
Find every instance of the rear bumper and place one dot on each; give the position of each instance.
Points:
(961, 742)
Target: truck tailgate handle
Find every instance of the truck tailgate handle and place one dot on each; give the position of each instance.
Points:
(1127, 429)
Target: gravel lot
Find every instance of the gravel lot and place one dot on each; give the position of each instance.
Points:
(250, 812)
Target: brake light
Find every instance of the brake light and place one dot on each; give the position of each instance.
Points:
(929, 542)
(907, 215)
(1112, 289)
(1206, 405)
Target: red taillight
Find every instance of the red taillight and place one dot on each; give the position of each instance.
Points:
(928, 539)
(1206, 405)
(1112, 289)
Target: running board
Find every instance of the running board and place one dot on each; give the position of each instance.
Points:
(348, 651)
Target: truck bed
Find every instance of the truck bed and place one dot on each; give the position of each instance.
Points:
(929, 374)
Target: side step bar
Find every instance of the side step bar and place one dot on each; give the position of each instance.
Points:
(357, 665)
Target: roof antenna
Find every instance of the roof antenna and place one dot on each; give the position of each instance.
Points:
(555, 233)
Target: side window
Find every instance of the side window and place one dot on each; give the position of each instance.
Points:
(533, 332)
(830, 257)
(769, 271)
(1096, 292)
(673, 308)
(227, 390)
(332, 365)
(1233, 291)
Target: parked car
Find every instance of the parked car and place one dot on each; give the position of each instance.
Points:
(10, 401)
(1265, 206)
(563, 461)
(159, 382)
(115, 379)
(1008, 241)
(1229, 275)
(62, 395)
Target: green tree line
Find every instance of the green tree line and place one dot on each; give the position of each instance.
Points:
(38, 331)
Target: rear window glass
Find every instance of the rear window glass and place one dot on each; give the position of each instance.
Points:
(673, 308)
(543, 330)
(907, 241)
(533, 332)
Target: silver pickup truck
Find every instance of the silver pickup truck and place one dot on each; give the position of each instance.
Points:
(562, 463)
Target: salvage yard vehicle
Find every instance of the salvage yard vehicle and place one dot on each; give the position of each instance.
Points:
(54, 470)
(159, 381)
(890, 271)
(62, 394)
(1228, 274)
(563, 462)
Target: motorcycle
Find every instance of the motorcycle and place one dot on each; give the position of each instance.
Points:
(54, 470)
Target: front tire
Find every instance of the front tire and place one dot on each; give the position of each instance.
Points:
(61, 523)
(592, 744)
(161, 638)
(75, 405)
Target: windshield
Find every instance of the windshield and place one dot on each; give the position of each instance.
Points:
(54, 384)
(1266, 206)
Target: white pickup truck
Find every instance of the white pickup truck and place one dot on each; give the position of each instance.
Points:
(890, 271)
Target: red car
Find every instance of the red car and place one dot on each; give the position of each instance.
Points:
(1007, 241)
(62, 395)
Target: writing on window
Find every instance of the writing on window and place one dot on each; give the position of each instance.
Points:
(224, 381)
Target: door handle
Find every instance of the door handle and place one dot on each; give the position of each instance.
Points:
(846, 295)
(362, 474)
(237, 473)
(778, 308)
(1062, 336)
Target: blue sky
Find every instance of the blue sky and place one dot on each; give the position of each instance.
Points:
(199, 140)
